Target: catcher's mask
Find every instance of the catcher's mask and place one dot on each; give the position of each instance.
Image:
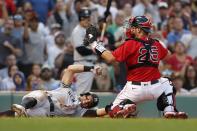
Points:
(89, 100)
(141, 22)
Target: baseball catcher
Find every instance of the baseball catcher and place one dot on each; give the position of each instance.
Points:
(142, 55)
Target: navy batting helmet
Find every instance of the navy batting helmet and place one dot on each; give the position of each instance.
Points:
(95, 99)
(84, 13)
(142, 22)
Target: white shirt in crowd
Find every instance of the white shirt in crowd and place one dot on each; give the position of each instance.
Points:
(53, 52)
(7, 84)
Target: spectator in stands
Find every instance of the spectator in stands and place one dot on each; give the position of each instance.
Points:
(190, 41)
(127, 10)
(10, 60)
(73, 14)
(8, 43)
(50, 41)
(194, 10)
(179, 59)
(119, 20)
(33, 80)
(29, 14)
(10, 6)
(42, 7)
(103, 82)
(55, 50)
(35, 46)
(19, 81)
(195, 63)
(163, 14)
(47, 80)
(143, 6)
(169, 27)
(8, 83)
(60, 16)
(138, 8)
(119, 34)
(19, 3)
(17, 32)
(102, 8)
(176, 8)
(190, 78)
(64, 59)
(177, 81)
(186, 15)
(27, 6)
(18, 27)
(176, 34)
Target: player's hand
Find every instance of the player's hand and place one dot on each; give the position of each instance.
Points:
(97, 70)
(91, 35)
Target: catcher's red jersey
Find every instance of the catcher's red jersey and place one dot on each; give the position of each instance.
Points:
(133, 52)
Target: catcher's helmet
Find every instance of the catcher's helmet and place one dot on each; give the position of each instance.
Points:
(95, 99)
(142, 22)
(84, 13)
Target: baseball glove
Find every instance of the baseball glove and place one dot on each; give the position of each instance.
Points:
(91, 35)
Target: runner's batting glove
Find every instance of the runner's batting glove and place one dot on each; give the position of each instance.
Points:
(91, 39)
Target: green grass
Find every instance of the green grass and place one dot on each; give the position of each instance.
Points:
(95, 124)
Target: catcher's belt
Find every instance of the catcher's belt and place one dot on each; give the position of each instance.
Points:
(140, 83)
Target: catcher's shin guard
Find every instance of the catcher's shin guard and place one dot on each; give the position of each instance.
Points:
(167, 104)
(167, 101)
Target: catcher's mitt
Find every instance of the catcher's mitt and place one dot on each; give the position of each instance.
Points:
(91, 35)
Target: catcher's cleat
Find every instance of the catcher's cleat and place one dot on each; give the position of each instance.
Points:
(19, 110)
(170, 115)
(175, 115)
(181, 115)
(128, 111)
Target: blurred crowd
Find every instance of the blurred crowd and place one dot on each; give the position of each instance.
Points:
(35, 40)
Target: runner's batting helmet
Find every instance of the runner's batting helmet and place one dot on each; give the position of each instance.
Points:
(95, 99)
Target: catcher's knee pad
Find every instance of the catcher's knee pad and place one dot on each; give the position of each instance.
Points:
(162, 102)
(113, 112)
